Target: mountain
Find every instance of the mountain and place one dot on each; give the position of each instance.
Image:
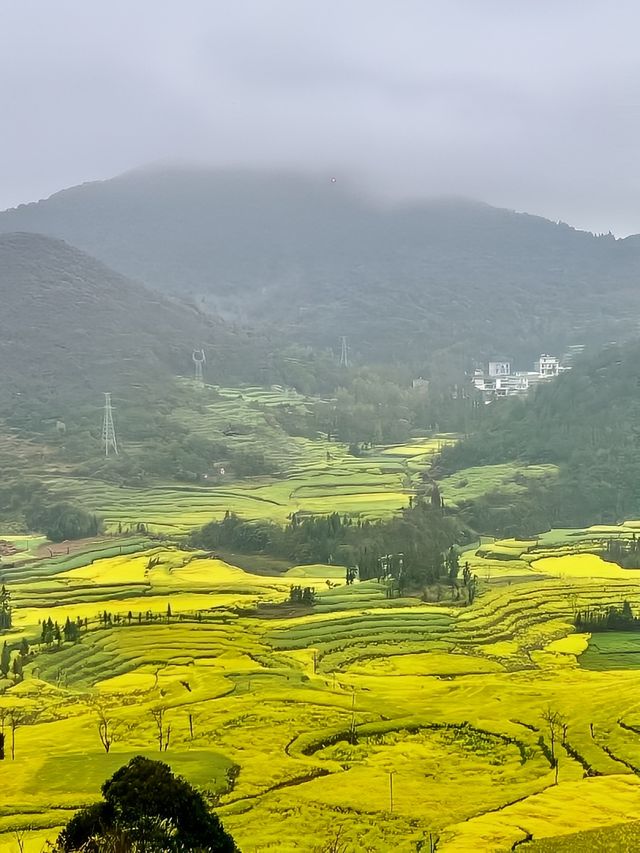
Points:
(586, 422)
(71, 328)
(315, 259)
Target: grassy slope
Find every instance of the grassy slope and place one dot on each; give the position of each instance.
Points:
(315, 476)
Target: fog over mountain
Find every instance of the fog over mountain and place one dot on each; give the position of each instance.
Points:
(314, 259)
(530, 106)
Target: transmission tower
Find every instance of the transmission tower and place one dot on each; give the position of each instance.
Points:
(199, 360)
(108, 430)
(344, 354)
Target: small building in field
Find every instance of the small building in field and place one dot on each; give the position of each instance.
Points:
(420, 384)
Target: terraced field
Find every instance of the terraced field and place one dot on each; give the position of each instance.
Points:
(363, 723)
(316, 476)
(296, 720)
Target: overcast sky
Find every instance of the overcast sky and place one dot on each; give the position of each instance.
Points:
(529, 104)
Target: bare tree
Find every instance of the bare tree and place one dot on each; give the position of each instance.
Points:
(557, 727)
(572, 597)
(335, 844)
(164, 733)
(20, 835)
(107, 727)
(17, 717)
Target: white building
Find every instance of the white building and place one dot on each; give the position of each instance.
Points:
(499, 381)
(420, 384)
(499, 368)
(548, 366)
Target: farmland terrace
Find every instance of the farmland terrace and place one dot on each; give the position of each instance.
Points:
(294, 723)
(294, 717)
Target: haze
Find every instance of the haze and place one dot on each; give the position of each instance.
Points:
(532, 106)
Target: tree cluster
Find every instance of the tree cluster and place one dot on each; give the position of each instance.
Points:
(302, 595)
(15, 665)
(410, 548)
(62, 520)
(607, 619)
(625, 553)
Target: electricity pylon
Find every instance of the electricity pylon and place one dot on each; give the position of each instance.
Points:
(344, 355)
(108, 430)
(199, 360)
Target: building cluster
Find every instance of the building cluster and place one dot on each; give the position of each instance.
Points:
(500, 381)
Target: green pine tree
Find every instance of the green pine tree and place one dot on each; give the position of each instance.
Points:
(5, 660)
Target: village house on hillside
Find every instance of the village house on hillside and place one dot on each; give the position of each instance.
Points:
(500, 381)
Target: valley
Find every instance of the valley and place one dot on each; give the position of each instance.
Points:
(319, 428)
(368, 719)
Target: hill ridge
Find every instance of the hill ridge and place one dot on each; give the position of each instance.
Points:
(438, 281)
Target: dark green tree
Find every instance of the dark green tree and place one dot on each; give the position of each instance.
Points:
(453, 566)
(151, 809)
(17, 670)
(5, 660)
(65, 520)
(5, 609)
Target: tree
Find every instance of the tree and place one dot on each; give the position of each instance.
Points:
(436, 497)
(453, 568)
(164, 734)
(71, 631)
(107, 726)
(47, 631)
(65, 520)
(472, 588)
(556, 727)
(17, 717)
(17, 669)
(150, 809)
(5, 609)
(335, 844)
(5, 660)
(3, 715)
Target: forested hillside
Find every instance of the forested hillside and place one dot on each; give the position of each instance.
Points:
(588, 423)
(315, 259)
(71, 328)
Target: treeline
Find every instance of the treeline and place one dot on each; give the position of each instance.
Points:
(381, 407)
(607, 619)
(624, 552)
(416, 541)
(587, 422)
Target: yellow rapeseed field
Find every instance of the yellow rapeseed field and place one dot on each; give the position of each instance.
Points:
(363, 723)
